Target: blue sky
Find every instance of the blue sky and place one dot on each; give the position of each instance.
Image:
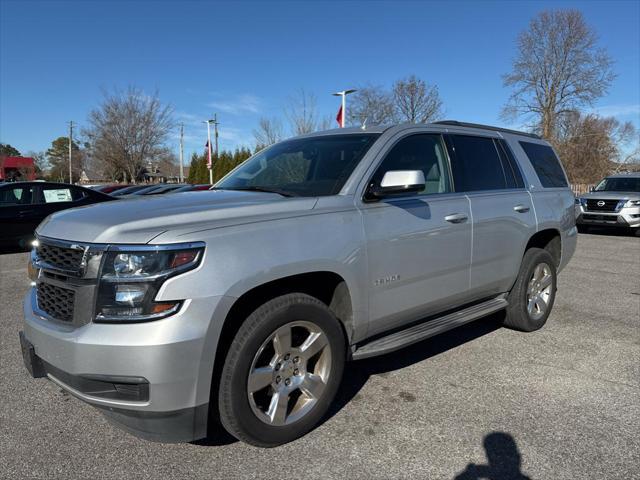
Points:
(244, 59)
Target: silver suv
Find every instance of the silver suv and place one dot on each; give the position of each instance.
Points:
(614, 202)
(241, 305)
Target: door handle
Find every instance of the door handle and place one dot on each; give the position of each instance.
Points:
(456, 218)
(521, 208)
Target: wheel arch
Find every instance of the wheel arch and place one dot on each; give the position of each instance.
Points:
(327, 286)
(548, 239)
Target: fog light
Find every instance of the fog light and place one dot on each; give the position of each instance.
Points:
(130, 294)
(33, 272)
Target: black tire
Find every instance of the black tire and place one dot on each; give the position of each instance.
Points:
(517, 315)
(236, 413)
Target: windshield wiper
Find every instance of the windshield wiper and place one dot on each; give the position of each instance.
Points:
(252, 188)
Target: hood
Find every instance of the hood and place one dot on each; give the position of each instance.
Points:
(612, 195)
(139, 220)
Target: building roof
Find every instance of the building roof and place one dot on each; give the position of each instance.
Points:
(17, 162)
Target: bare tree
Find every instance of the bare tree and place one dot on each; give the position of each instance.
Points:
(327, 123)
(416, 101)
(591, 146)
(371, 104)
(269, 131)
(128, 130)
(558, 69)
(40, 160)
(302, 112)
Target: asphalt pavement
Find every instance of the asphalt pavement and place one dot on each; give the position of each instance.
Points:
(477, 402)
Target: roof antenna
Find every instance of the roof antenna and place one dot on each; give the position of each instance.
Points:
(364, 124)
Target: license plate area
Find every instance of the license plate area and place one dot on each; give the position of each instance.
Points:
(32, 362)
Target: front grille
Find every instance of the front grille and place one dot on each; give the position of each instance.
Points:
(605, 205)
(55, 301)
(601, 218)
(68, 259)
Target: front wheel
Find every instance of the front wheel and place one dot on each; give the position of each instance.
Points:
(531, 298)
(282, 371)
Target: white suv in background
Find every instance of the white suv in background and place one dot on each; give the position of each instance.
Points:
(615, 202)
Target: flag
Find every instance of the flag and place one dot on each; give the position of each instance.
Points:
(339, 118)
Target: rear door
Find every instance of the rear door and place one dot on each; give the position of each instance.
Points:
(419, 245)
(503, 217)
(18, 216)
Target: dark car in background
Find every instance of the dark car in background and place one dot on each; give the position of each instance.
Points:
(167, 188)
(23, 205)
(129, 190)
(111, 188)
(192, 188)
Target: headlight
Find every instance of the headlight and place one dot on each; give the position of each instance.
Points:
(130, 281)
(632, 203)
(582, 202)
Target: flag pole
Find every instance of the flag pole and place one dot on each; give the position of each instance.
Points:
(209, 164)
(343, 94)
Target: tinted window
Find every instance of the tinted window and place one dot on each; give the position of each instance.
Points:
(511, 170)
(60, 193)
(619, 184)
(307, 167)
(546, 164)
(476, 164)
(16, 196)
(418, 152)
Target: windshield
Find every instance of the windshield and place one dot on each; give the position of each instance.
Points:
(619, 184)
(305, 167)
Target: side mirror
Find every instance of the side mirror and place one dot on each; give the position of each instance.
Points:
(398, 182)
(592, 189)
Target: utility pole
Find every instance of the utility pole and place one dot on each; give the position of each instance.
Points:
(181, 153)
(70, 143)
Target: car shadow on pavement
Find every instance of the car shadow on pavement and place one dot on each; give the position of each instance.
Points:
(355, 378)
(612, 232)
(503, 460)
(8, 250)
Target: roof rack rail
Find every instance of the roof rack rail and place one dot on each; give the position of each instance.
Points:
(486, 127)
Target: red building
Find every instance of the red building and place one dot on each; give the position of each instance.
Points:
(17, 168)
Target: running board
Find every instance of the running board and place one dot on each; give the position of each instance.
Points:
(428, 329)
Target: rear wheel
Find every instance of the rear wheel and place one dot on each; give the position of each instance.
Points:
(531, 298)
(282, 371)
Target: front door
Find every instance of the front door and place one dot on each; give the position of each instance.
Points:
(418, 246)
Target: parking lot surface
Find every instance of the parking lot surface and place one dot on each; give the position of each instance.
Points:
(477, 402)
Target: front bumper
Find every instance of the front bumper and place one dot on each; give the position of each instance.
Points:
(171, 359)
(626, 217)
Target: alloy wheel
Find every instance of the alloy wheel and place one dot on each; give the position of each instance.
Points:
(289, 373)
(539, 291)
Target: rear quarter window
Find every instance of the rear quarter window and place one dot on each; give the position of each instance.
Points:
(546, 164)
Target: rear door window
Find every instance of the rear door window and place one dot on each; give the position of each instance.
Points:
(476, 164)
(546, 164)
(16, 196)
(59, 194)
(511, 170)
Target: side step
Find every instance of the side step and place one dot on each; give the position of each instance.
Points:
(428, 329)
